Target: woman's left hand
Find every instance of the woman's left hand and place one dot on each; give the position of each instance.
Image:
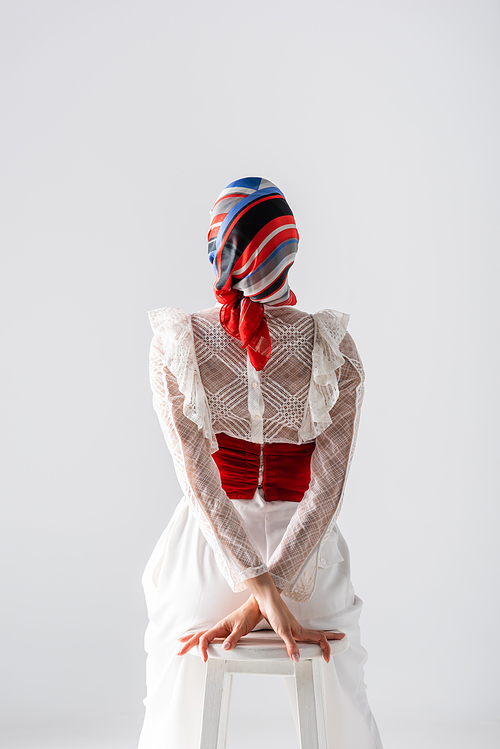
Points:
(232, 627)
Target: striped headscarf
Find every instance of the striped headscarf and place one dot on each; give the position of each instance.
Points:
(252, 243)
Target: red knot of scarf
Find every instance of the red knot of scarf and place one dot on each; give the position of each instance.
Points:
(245, 320)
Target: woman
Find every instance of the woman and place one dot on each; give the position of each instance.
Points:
(259, 404)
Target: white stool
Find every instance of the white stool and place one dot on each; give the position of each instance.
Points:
(264, 652)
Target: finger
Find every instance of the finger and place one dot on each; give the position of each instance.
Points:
(207, 637)
(233, 638)
(325, 647)
(291, 646)
(320, 638)
(190, 642)
(205, 641)
(185, 638)
(312, 635)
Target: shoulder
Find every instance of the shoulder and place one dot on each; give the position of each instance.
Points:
(348, 347)
(331, 331)
(164, 318)
(172, 334)
(210, 315)
(326, 318)
(334, 324)
(333, 317)
(285, 311)
(332, 335)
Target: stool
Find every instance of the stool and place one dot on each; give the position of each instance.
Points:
(264, 652)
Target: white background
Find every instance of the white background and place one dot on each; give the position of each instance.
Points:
(121, 122)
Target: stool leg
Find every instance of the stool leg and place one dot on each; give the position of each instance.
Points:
(215, 706)
(224, 710)
(320, 702)
(310, 705)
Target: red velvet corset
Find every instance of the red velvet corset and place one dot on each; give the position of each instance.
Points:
(287, 468)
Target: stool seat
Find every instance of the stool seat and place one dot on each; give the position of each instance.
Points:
(264, 652)
(266, 645)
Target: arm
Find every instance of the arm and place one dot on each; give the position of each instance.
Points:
(236, 554)
(265, 600)
(297, 554)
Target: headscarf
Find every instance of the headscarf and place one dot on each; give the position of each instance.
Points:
(252, 243)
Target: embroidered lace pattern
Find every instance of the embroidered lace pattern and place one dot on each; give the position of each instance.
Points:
(311, 388)
(179, 403)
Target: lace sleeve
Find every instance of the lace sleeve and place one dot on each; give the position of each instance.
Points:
(293, 565)
(191, 448)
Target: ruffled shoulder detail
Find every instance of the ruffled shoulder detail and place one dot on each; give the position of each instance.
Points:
(174, 327)
(159, 316)
(330, 328)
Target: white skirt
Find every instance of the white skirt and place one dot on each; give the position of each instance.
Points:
(186, 592)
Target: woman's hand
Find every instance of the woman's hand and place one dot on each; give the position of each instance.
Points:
(265, 601)
(283, 621)
(232, 627)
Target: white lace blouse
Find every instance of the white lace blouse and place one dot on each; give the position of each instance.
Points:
(311, 389)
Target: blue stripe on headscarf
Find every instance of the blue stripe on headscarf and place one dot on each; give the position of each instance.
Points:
(253, 183)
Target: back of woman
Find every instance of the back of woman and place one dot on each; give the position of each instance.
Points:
(259, 403)
(235, 391)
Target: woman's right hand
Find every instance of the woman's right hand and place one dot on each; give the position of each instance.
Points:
(283, 622)
(234, 626)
